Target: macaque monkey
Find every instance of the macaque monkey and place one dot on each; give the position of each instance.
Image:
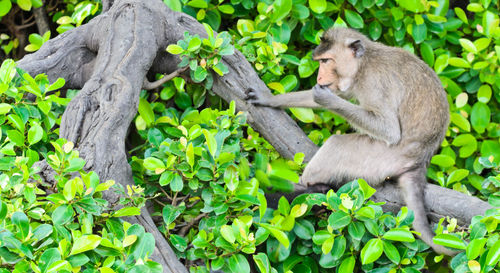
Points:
(401, 116)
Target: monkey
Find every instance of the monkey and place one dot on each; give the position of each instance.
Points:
(400, 114)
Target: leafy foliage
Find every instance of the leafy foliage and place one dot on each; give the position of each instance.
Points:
(201, 55)
(207, 171)
(66, 226)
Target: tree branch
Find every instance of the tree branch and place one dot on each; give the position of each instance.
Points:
(152, 85)
(41, 18)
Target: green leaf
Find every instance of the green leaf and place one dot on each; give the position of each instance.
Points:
(427, 53)
(327, 245)
(49, 257)
(231, 178)
(441, 63)
(7, 71)
(152, 164)
(475, 248)
(170, 213)
(304, 229)
(444, 161)
(461, 14)
(227, 233)
(339, 219)
(174, 49)
(457, 175)
(5, 108)
(16, 137)
(375, 30)
(493, 254)
(227, 9)
(458, 62)
(391, 252)
(36, 39)
(356, 230)
(347, 264)
(263, 204)
(305, 115)
(372, 251)
(146, 112)
(415, 6)
(69, 190)
(176, 184)
(190, 154)
(60, 82)
(278, 234)
(62, 215)
(399, 234)
(211, 143)
(262, 262)
(24, 4)
(367, 190)
(367, 212)
(460, 121)
(238, 263)
(449, 240)
(35, 134)
(281, 9)
(318, 6)
(199, 74)
(128, 211)
(482, 43)
(307, 67)
(5, 6)
(21, 221)
(202, 4)
(468, 45)
(194, 44)
(85, 243)
(468, 144)
(174, 5)
(17, 121)
(59, 266)
(321, 236)
(484, 93)
(480, 117)
(353, 19)
(419, 33)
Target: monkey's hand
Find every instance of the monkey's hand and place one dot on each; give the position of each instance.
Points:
(258, 99)
(323, 95)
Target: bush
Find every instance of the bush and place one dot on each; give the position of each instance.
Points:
(207, 171)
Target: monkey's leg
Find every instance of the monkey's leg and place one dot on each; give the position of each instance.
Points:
(343, 158)
(412, 185)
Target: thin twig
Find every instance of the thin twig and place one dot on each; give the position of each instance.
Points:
(152, 85)
(193, 222)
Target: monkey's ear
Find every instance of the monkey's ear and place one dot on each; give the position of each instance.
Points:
(357, 48)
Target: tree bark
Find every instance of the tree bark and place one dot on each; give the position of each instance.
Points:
(108, 59)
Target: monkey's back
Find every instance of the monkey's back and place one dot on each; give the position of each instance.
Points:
(421, 103)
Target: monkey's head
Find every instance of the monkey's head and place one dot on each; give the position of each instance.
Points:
(339, 54)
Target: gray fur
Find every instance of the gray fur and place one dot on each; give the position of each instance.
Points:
(401, 116)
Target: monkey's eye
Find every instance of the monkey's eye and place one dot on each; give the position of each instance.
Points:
(323, 61)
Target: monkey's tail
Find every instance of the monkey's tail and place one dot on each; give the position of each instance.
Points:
(412, 185)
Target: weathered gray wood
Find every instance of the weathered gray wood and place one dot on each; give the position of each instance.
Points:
(108, 59)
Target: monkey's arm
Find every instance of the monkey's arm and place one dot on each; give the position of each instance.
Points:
(293, 99)
(381, 124)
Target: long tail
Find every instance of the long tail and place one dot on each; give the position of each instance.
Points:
(412, 185)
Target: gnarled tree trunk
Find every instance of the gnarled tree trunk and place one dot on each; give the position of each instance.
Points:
(108, 59)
